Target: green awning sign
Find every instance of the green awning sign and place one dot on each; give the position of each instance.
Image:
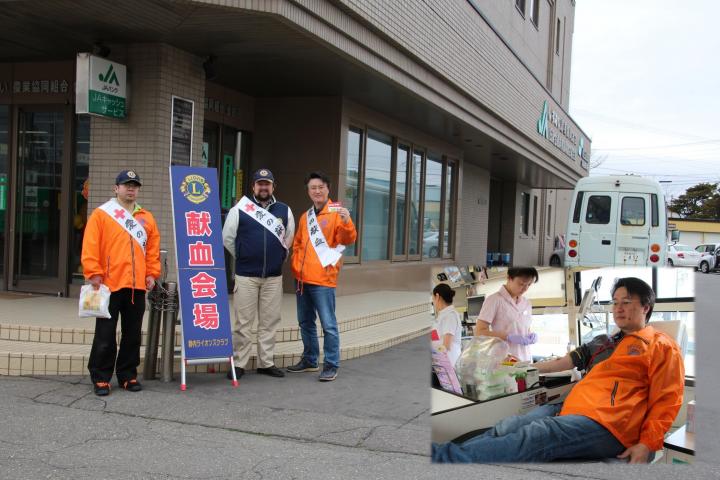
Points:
(101, 87)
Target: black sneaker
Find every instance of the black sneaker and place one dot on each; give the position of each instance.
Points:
(132, 385)
(302, 366)
(328, 373)
(101, 389)
(239, 372)
(272, 371)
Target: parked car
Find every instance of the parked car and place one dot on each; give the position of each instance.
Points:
(681, 255)
(430, 244)
(557, 258)
(710, 257)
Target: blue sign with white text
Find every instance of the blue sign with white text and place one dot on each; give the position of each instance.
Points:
(202, 286)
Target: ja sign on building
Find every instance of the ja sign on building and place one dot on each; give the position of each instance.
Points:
(100, 87)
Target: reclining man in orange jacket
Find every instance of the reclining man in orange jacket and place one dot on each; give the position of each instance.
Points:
(121, 249)
(623, 406)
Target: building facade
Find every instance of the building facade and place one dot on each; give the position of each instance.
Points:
(443, 125)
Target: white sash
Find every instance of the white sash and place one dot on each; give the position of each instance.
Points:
(264, 218)
(326, 254)
(125, 219)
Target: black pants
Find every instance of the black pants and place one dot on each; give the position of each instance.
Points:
(104, 352)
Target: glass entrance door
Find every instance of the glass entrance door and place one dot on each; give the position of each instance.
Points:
(4, 169)
(40, 214)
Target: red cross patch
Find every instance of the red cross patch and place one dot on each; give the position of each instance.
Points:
(249, 207)
(120, 213)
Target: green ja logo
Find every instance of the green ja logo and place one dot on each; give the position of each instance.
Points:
(542, 123)
(109, 76)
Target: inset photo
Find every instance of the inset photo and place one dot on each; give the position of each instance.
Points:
(540, 364)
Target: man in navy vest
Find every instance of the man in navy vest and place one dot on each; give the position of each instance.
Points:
(257, 232)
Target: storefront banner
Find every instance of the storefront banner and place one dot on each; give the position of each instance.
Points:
(200, 258)
(101, 87)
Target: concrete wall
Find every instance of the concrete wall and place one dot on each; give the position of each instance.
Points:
(141, 142)
(474, 216)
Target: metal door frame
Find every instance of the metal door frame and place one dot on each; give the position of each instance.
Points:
(58, 285)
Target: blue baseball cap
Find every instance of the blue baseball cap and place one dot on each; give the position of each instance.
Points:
(127, 176)
(263, 174)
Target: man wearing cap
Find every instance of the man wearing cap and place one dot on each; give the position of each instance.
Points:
(121, 249)
(323, 232)
(257, 232)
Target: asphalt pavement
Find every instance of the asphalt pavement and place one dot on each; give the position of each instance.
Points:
(372, 422)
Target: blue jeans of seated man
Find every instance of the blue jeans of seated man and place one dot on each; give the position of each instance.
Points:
(538, 436)
(316, 300)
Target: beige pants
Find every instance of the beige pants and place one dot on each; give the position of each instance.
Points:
(259, 298)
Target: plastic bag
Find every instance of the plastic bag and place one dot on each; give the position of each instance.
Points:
(94, 303)
(480, 368)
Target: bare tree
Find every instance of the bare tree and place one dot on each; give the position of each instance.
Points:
(596, 160)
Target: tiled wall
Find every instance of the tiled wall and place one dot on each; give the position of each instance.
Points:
(156, 72)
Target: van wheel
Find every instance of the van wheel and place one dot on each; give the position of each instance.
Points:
(704, 267)
(670, 263)
(555, 261)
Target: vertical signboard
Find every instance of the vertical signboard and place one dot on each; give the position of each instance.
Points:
(101, 87)
(202, 285)
(182, 131)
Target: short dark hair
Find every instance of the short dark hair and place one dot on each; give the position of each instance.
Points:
(445, 292)
(529, 272)
(635, 286)
(320, 176)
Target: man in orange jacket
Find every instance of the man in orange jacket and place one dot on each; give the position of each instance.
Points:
(121, 249)
(623, 406)
(322, 233)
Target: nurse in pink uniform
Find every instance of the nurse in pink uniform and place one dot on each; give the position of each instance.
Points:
(507, 314)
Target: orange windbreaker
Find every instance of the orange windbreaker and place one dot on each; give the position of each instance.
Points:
(305, 263)
(637, 392)
(108, 250)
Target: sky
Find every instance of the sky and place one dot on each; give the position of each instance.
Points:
(645, 87)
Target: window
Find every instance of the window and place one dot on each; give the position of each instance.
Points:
(525, 213)
(449, 212)
(557, 38)
(80, 193)
(520, 5)
(632, 211)
(535, 210)
(654, 209)
(431, 219)
(402, 200)
(416, 184)
(578, 207)
(598, 210)
(376, 197)
(354, 154)
(402, 155)
(535, 12)
(549, 222)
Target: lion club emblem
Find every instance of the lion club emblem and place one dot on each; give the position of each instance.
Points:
(131, 174)
(264, 173)
(195, 188)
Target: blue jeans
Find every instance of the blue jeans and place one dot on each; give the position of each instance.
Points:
(316, 299)
(538, 436)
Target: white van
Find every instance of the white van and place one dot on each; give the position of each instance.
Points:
(616, 220)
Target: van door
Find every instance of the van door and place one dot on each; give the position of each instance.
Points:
(597, 229)
(633, 229)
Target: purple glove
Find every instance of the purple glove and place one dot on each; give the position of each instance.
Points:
(532, 338)
(518, 339)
